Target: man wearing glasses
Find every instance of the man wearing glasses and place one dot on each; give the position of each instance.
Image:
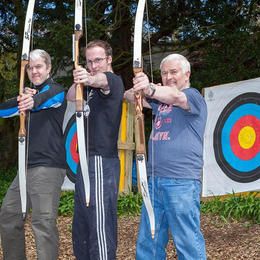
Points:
(95, 227)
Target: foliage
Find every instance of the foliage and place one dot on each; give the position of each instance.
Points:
(8, 63)
(238, 207)
(242, 207)
(210, 33)
(220, 38)
(129, 204)
(66, 203)
(6, 177)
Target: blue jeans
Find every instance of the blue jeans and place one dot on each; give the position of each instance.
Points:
(176, 204)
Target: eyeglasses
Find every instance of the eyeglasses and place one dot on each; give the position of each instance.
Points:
(95, 61)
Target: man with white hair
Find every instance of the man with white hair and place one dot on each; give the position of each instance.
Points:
(46, 164)
(175, 161)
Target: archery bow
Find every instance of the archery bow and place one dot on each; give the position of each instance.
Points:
(22, 130)
(80, 102)
(139, 117)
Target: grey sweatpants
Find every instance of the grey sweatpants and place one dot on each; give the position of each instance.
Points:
(43, 194)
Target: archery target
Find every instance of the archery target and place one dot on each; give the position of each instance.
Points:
(72, 156)
(70, 143)
(236, 138)
(232, 138)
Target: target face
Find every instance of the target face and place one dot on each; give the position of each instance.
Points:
(72, 156)
(236, 138)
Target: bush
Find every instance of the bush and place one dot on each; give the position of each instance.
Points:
(66, 206)
(242, 207)
(6, 177)
(129, 204)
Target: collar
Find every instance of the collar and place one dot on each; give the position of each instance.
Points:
(46, 82)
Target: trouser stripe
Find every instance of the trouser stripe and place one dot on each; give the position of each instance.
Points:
(100, 212)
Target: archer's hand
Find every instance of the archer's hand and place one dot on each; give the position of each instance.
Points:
(30, 91)
(25, 102)
(129, 95)
(141, 83)
(81, 76)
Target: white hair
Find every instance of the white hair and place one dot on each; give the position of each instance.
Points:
(38, 53)
(185, 65)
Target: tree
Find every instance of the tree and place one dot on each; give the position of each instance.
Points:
(220, 38)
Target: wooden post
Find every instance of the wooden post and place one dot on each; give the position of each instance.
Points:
(126, 147)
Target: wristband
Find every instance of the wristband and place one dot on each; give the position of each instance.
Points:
(152, 88)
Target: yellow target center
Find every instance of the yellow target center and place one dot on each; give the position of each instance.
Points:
(247, 137)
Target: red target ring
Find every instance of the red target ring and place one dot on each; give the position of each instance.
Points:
(245, 137)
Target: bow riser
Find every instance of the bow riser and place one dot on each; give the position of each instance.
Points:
(137, 67)
(77, 37)
(139, 136)
(22, 130)
(79, 87)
